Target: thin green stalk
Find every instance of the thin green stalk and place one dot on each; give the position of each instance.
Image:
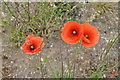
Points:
(41, 66)
(74, 64)
(11, 11)
(28, 12)
(23, 7)
(36, 9)
(62, 70)
(68, 62)
(17, 7)
(107, 49)
(40, 63)
(111, 46)
(68, 12)
(116, 65)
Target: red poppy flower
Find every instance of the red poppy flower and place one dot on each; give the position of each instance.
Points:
(114, 73)
(91, 35)
(72, 32)
(33, 44)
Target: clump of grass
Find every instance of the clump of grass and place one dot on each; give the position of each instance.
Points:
(36, 18)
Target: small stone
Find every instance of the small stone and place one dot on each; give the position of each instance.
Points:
(65, 65)
(41, 59)
(109, 27)
(80, 69)
(102, 48)
(107, 41)
(102, 37)
(12, 18)
(51, 45)
(81, 57)
(104, 76)
(33, 72)
(11, 61)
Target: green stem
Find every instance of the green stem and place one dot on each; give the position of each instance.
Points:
(28, 12)
(41, 66)
(11, 11)
(107, 49)
(68, 62)
(68, 12)
(109, 70)
(62, 70)
(74, 61)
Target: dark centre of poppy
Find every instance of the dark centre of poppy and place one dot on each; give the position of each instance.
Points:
(86, 36)
(74, 32)
(32, 47)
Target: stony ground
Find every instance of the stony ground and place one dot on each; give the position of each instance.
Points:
(21, 65)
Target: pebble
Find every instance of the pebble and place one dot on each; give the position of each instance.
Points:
(12, 18)
(102, 48)
(65, 65)
(51, 45)
(81, 57)
(107, 41)
(80, 69)
(104, 76)
(11, 62)
(111, 32)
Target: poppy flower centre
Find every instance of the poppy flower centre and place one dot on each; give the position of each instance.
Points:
(86, 36)
(74, 32)
(32, 47)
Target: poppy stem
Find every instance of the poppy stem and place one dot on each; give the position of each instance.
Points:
(62, 70)
(39, 63)
(68, 62)
(74, 60)
(74, 69)
(41, 66)
(61, 55)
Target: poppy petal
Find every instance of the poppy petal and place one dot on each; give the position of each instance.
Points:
(25, 48)
(86, 40)
(67, 32)
(35, 42)
(93, 35)
(38, 48)
(30, 37)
